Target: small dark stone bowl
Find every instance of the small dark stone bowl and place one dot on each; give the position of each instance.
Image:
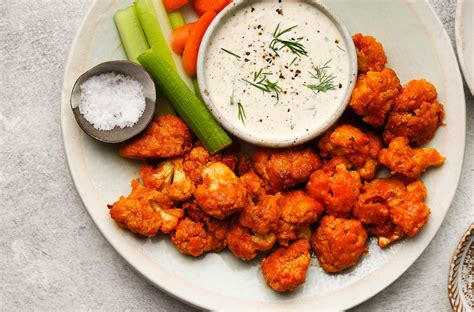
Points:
(117, 135)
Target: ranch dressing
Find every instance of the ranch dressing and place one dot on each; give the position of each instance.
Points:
(275, 94)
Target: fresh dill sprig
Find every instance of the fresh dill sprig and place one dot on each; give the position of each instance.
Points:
(293, 44)
(294, 60)
(241, 112)
(231, 53)
(325, 80)
(261, 82)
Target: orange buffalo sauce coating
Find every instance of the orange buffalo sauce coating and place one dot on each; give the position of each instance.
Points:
(370, 53)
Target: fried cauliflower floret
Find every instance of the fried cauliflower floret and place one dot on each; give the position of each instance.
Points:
(408, 211)
(169, 178)
(254, 185)
(388, 199)
(386, 233)
(190, 238)
(246, 245)
(262, 216)
(336, 187)
(216, 230)
(182, 187)
(360, 149)
(285, 268)
(299, 208)
(370, 53)
(221, 193)
(142, 213)
(374, 95)
(400, 158)
(285, 168)
(339, 243)
(298, 211)
(195, 162)
(372, 206)
(245, 164)
(416, 114)
(167, 136)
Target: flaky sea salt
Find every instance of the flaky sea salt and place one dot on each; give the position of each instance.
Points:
(112, 100)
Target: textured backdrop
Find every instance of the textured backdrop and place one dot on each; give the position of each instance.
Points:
(51, 254)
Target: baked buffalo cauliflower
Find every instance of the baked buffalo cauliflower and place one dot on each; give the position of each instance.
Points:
(416, 114)
(359, 148)
(221, 192)
(263, 215)
(370, 53)
(285, 268)
(298, 210)
(339, 243)
(374, 95)
(285, 168)
(336, 187)
(142, 212)
(245, 244)
(400, 158)
(167, 136)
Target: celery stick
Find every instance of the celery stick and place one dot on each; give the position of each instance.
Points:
(196, 89)
(153, 31)
(131, 33)
(189, 107)
(176, 19)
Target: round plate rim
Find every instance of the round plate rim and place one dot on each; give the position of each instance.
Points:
(178, 288)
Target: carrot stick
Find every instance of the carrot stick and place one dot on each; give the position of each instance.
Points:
(173, 5)
(179, 37)
(191, 48)
(203, 6)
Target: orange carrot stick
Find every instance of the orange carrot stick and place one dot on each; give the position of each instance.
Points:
(179, 37)
(203, 6)
(173, 5)
(191, 48)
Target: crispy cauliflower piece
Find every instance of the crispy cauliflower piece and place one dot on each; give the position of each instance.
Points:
(245, 164)
(182, 187)
(190, 237)
(262, 217)
(386, 233)
(299, 208)
(169, 178)
(142, 213)
(298, 211)
(416, 114)
(386, 198)
(408, 211)
(221, 193)
(246, 245)
(195, 162)
(216, 230)
(374, 95)
(399, 157)
(285, 268)
(339, 243)
(254, 185)
(285, 168)
(372, 206)
(370, 53)
(360, 149)
(336, 187)
(167, 136)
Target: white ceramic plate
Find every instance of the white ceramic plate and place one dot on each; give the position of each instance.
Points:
(417, 46)
(465, 39)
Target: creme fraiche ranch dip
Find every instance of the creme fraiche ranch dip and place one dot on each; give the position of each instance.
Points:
(273, 70)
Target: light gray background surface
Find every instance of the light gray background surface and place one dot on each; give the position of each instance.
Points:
(52, 257)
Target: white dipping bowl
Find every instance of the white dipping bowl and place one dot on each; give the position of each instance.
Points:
(279, 134)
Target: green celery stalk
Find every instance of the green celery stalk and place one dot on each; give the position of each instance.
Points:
(189, 107)
(176, 19)
(131, 34)
(197, 91)
(151, 26)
